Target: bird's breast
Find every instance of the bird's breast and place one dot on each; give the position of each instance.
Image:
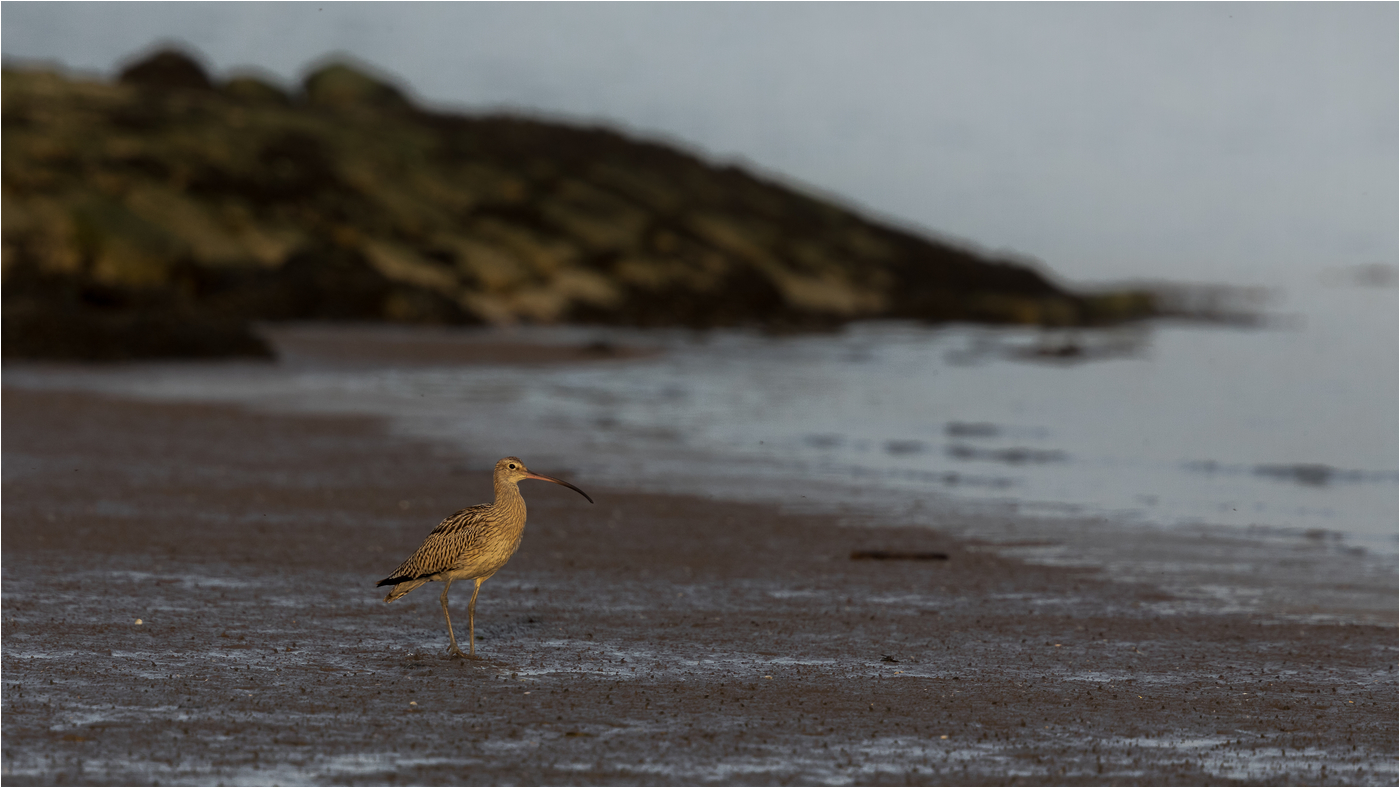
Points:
(492, 544)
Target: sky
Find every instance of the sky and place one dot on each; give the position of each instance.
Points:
(1248, 143)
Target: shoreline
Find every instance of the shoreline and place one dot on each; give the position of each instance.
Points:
(1293, 572)
(632, 641)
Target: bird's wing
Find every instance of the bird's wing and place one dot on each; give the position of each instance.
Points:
(444, 548)
(462, 519)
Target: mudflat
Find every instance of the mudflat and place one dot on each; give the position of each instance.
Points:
(188, 597)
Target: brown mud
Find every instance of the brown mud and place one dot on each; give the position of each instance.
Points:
(646, 639)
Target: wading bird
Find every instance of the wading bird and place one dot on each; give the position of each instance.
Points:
(472, 544)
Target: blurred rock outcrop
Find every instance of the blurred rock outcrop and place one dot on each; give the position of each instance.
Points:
(160, 214)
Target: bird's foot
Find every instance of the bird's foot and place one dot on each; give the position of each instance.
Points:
(457, 653)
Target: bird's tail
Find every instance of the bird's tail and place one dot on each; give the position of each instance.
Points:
(400, 588)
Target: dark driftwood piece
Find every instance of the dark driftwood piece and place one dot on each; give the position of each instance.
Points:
(896, 555)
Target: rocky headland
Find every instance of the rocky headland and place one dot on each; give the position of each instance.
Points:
(162, 214)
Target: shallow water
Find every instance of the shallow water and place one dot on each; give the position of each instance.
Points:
(1247, 436)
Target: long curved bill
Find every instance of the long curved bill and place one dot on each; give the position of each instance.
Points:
(543, 478)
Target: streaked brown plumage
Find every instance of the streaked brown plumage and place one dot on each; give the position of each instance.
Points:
(471, 544)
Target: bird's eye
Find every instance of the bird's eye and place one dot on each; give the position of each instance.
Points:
(511, 466)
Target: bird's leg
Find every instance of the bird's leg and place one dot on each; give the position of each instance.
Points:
(471, 617)
(454, 651)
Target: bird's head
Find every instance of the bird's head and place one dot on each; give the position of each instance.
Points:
(512, 471)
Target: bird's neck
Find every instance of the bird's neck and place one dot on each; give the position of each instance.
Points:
(508, 498)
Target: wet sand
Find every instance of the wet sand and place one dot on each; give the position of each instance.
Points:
(645, 639)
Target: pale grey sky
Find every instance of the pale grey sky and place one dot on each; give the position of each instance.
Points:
(1252, 143)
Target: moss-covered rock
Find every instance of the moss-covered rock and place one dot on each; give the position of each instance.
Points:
(341, 86)
(191, 203)
(249, 89)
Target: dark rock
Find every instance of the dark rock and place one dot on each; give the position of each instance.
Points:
(325, 283)
(1313, 474)
(964, 429)
(44, 331)
(221, 207)
(55, 317)
(165, 70)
